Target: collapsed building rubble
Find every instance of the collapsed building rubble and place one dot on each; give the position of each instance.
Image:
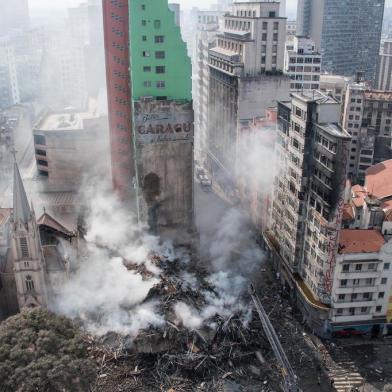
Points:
(227, 352)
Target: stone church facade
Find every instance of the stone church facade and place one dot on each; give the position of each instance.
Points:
(31, 263)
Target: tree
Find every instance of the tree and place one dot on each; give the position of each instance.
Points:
(40, 351)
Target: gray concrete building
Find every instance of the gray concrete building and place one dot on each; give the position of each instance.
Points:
(311, 151)
(9, 87)
(368, 119)
(61, 142)
(347, 33)
(246, 77)
(207, 29)
(384, 71)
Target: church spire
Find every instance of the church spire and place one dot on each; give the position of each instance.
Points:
(21, 206)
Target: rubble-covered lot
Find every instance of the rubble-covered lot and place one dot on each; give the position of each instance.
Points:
(226, 353)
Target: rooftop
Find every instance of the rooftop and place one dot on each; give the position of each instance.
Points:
(360, 241)
(359, 195)
(388, 216)
(314, 96)
(64, 121)
(334, 130)
(378, 181)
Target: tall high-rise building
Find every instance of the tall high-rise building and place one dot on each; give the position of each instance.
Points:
(308, 198)
(384, 71)
(14, 15)
(346, 32)
(9, 87)
(116, 30)
(246, 77)
(207, 29)
(160, 164)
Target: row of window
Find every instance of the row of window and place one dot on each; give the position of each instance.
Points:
(158, 84)
(118, 3)
(359, 267)
(352, 311)
(306, 60)
(157, 23)
(159, 69)
(118, 46)
(265, 35)
(117, 17)
(293, 68)
(159, 54)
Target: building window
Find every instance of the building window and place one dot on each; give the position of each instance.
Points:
(341, 297)
(39, 139)
(143, 6)
(157, 24)
(146, 53)
(346, 267)
(160, 70)
(358, 267)
(364, 309)
(29, 283)
(366, 295)
(275, 37)
(42, 163)
(343, 282)
(161, 84)
(144, 38)
(160, 54)
(276, 25)
(147, 83)
(264, 37)
(273, 59)
(24, 249)
(339, 311)
(384, 280)
(378, 308)
(262, 59)
(381, 295)
(146, 69)
(159, 39)
(352, 311)
(387, 265)
(41, 152)
(265, 25)
(144, 22)
(372, 267)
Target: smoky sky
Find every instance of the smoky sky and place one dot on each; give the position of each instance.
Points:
(291, 4)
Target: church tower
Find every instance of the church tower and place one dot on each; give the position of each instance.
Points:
(29, 263)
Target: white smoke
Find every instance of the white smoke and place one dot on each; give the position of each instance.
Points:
(101, 291)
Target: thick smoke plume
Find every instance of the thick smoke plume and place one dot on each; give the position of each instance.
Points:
(101, 291)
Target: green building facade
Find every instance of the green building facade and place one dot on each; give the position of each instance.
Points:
(160, 66)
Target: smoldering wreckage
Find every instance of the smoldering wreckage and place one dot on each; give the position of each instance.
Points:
(207, 339)
(165, 318)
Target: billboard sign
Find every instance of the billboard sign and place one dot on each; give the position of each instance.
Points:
(163, 121)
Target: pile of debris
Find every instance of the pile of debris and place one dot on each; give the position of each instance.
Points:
(221, 355)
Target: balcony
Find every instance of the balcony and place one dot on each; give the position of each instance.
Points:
(226, 60)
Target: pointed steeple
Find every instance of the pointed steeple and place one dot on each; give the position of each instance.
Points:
(22, 210)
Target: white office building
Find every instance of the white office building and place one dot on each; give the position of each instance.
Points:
(302, 64)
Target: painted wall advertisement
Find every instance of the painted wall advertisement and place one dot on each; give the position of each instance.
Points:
(163, 121)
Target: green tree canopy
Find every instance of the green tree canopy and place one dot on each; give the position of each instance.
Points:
(40, 351)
